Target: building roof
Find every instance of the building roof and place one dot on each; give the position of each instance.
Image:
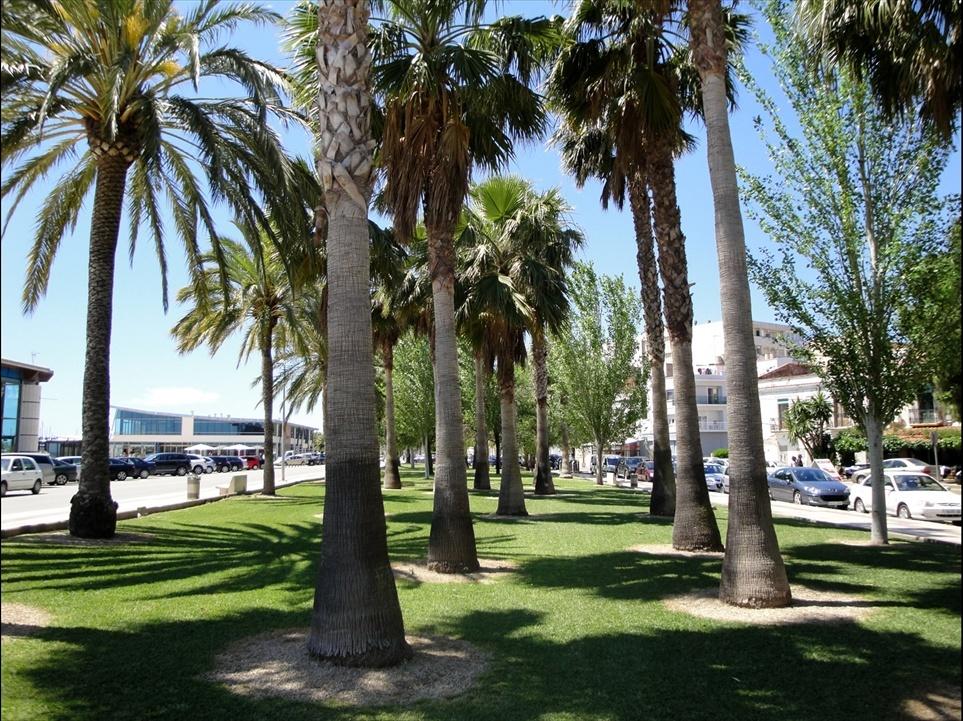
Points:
(787, 370)
(234, 419)
(28, 372)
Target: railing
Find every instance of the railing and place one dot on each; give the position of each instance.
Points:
(712, 425)
(925, 415)
(711, 400)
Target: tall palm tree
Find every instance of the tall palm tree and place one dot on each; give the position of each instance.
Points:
(456, 94)
(618, 71)
(753, 573)
(592, 152)
(909, 52)
(357, 618)
(257, 299)
(94, 90)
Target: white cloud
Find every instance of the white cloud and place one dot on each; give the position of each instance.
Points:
(182, 398)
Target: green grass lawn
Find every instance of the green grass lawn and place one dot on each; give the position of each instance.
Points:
(579, 631)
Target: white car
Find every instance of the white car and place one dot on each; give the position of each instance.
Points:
(20, 473)
(898, 464)
(715, 477)
(910, 495)
(201, 464)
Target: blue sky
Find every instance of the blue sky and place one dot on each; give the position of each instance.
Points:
(146, 370)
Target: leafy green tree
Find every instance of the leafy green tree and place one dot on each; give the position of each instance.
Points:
(854, 198)
(807, 422)
(95, 96)
(356, 619)
(595, 359)
(414, 392)
(907, 52)
(456, 96)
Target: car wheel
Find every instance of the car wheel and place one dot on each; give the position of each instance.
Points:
(182, 470)
(903, 511)
(797, 498)
(859, 506)
(121, 476)
(61, 479)
(36, 487)
(144, 473)
(3, 488)
(198, 470)
(235, 468)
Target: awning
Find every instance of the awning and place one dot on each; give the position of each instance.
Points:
(199, 447)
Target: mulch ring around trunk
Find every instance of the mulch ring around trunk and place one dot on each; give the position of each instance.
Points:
(936, 704)
(63, 538)
(666, 549)
(277, 664)
(808, 606)
(418, 572)
(18, 620)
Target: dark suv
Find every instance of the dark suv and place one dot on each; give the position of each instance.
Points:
(227, 463)
(172, 463)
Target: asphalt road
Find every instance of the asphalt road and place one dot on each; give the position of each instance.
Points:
(52, 504)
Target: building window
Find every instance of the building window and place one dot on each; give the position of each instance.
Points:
(10, 402)
(132, 423)
(224, 427)
(783, 407)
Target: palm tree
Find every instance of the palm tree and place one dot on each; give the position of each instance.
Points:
(618, 75)
(357, 618)
(455, 95)
(909, 52)
(257, 300)
(753, 573)
(591, 152)
(110, 74)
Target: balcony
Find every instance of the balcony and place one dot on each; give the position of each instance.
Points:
(713, 426)
(920, 416)
(710, 400)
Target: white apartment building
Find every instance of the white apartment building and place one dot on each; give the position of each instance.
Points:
(709, 368)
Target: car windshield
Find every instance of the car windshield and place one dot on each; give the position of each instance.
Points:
(811, 475)
(152, 457)
(917, 483)
(611, 460)
(712, 468)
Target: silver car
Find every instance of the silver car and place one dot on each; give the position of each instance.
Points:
(809, 486)
(20, 473)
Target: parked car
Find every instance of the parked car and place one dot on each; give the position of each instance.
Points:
(252, 463)
(46, 464)
(715, 477)
(609, 464)
(899, 464)
(20, 473)
(142, 468)
(554, 461)
(121, 469)
(72, 460)
(628, 466)
(848, 471)
(172, 463)
(809, 486)
(200, 464)
(65, 472)
(227, 463)
(910, 494)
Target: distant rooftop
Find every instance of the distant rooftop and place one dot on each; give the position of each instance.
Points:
(28, 372)
(787, 370)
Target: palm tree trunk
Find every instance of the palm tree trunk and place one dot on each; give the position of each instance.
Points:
(451, 545)
(662, 502)
(357, 618)
(566, 465)
(93, 513)
(392, 477)
(482, 475)
(511, 494)
(267, 400)
(543, 469)
(695, 523)
(753, 572)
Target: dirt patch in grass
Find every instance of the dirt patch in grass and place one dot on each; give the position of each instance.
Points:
(63, 538)
(666, 549)
(18, 620)
(418, 572)
(939, 704)
(277, 664)
(808, 606)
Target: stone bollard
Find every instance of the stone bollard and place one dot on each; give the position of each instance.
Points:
(193, 486)
(612, 478)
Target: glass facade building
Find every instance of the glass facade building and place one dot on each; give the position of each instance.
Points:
(10, 401)
(224, 427)
(136, 423)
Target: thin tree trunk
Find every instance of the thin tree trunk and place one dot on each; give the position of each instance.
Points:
(482, 475)
(93, 513)
(662, 502)
(392, 478)
(543, 467)
(879, 533)
(451, 545)
(566, 465)
(511, 495)
(357, 618)
(695, 523)
(267, 401)
(411, 458)
(498, 451)
(753, 572)
(599, 461)
(429, 464)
